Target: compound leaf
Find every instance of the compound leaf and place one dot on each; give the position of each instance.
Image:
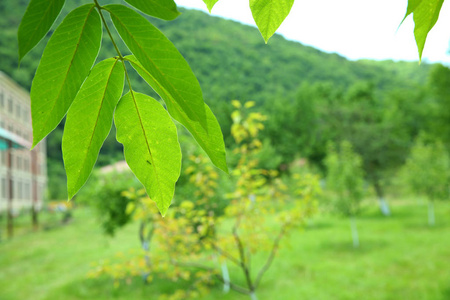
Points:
(173, 79)
(210, 139)
(65, 64)
(150, 145)
(210, 4)
(163, 9)
(425, 15)
(269, 14)
(89, 121)
(36, 22)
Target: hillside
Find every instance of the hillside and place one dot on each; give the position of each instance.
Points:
(230, 60)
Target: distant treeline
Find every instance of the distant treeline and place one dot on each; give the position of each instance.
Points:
(310, 97)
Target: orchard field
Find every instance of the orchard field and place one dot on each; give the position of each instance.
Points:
(299, 174)
(400, 257)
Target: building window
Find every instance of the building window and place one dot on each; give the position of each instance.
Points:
(19, 163)
(19, 190)
(2, 99)
(3, 188)
(25, 115)
(27, 191)
(10, 105)
(26, 164)
(18, 111)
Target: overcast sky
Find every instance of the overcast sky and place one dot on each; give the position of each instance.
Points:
(353, 28)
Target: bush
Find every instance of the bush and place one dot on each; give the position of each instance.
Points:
(103, 192)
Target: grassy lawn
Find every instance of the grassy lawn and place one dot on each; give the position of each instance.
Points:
(400, 258)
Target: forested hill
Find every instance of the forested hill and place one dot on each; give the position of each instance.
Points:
(231, 60)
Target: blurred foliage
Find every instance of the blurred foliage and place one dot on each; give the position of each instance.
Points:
(427, 169)
(309, 97)
(103, 192)
(345, 178)
(196, 241)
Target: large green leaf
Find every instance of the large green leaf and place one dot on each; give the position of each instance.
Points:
(173, 79)
(163, 9)
(150, 145)
(412, 5)
(89, 121)
(67, 59)
(269, 14)
(36, 22)
(210, 4)
(210, 139)
(425, 15)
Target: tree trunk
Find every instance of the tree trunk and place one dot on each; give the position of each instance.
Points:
(34, 189)
(431, 218)
(10, 217)
(34, 218)
(226, 277)
(355, 236)
(253, 295)
(145, 244)
(384, 206)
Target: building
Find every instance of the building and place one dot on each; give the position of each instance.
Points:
(23, 173)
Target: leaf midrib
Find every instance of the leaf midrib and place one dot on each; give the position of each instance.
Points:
(146, 142)
(182, 116)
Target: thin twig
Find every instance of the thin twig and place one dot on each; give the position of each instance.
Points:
(99, 8)
(269, 261)
(226, 254)
(243, 264)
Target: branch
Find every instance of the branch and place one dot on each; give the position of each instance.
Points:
(226, 254)
(269, 261)
(190, 265)
(99, 8)
(243, 264)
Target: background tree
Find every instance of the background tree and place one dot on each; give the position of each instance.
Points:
(427, 172)
(194, 242)
(439, 115)
(368, 123)
(345, 179)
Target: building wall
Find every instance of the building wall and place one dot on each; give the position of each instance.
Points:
(29, 168)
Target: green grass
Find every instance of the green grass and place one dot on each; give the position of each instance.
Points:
(400, 258)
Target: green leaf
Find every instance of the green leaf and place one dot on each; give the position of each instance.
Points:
(65, 64)
(412, 5)
(425, 15)
(36, 22)
(210, 4)
(163, 9)
(150, 145)
(210, 139)
(89, 121)
(269, 14)
(173, 79)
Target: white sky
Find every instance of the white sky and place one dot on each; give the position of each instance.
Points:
(353, 28)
